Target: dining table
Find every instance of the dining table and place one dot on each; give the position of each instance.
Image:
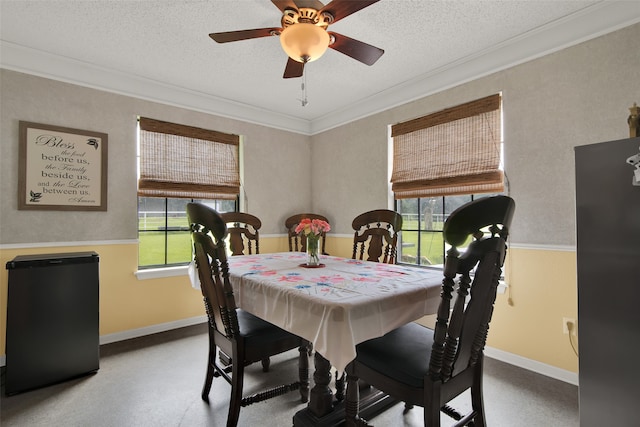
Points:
(335, 306)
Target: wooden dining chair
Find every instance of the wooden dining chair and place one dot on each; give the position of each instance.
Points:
(426, 367)
(243, 336)
(298, 243)
(244, 238)
(376, 232)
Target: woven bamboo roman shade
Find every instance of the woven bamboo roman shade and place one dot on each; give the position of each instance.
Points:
(453, 151)
(187, 162)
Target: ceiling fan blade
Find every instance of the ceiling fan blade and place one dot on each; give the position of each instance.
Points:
(293, 69)
(284, 4)
(356, 49)
(297, 4)
(232, 36)
(342, 8)
(313, 4)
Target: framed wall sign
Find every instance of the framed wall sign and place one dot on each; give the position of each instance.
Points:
(61, 168)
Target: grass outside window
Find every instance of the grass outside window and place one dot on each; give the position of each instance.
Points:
(163, 230)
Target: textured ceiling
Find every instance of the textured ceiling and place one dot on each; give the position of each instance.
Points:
(161, 50)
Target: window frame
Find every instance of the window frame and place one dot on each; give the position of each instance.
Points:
(420, 231)
(168, 231)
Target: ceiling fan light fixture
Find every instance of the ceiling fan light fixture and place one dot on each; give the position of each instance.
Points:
(304, 42)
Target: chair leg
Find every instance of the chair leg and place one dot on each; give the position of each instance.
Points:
(235, 402)
(303, 371)
(432, 406)
(352, 401)
(211, 370)
(340, 387)
(207, 383)
(477, 400)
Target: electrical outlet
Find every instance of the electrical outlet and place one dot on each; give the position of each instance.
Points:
(565, 325)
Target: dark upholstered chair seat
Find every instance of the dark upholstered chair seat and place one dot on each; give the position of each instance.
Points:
(260, 332)
(399, 354)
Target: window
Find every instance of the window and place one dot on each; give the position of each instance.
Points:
(422, 223)
(163, 232)
(179, 164)
(440, 161)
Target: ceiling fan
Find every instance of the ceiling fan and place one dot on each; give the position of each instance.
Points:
(304, 36)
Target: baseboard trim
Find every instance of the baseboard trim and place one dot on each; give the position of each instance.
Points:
(153, 329)
(532, 365)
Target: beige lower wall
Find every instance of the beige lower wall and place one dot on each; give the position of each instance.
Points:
(542, 290)
(527, 321)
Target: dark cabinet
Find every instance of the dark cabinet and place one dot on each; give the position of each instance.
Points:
(608, 262)
(52, 319)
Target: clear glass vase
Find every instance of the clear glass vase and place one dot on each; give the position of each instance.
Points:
(313, 255)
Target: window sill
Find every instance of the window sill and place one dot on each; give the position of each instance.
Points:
(158, 273)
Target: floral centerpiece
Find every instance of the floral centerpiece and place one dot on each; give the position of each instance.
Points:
(312, 229)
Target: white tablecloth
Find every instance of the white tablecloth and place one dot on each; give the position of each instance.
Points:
(337, 306)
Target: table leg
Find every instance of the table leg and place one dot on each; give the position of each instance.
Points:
(321, 399)
(324, 411)
(320, 410)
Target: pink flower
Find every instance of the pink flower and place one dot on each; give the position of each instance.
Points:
(314, 227)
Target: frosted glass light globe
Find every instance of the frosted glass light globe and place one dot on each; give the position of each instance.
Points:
(304, 42)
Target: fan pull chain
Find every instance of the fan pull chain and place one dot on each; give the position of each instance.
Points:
(303, 87)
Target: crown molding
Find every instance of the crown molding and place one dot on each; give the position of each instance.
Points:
(43, 64)
(594, 21)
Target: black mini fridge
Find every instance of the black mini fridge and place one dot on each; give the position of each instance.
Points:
(52, 319)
